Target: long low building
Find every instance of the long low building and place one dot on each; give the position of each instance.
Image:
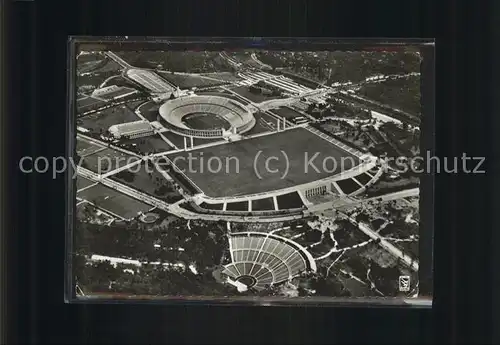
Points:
(131, 130)
(113, 92)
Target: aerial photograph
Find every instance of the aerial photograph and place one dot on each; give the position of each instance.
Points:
(247, 173)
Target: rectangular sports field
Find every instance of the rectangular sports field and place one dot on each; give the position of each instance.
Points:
(286, 112)
(101, 121)
(82, 182)
(87, 102)
(254, 97)
(281, 160)
(226, 94)
(263, 123)
(107, 160)
(84, 147)
(113, 201)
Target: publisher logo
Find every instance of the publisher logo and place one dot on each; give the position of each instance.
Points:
(404, 283)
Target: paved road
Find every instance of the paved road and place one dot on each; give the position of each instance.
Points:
(118, 60)
(395, 195)
(263, 65)
(108, 145)
(174, 208)
(350, 202)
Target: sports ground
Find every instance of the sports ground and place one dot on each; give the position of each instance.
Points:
(114, 202)
(263, 164)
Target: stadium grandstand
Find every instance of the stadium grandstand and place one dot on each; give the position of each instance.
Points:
(259, 260)
(131, 130)
(150, 80)
(235, 114)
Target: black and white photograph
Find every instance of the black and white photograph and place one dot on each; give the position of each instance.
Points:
(247, 173)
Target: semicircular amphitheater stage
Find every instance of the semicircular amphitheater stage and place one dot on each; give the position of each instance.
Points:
(259, 260)
(216, 116)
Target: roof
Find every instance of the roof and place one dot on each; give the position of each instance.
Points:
(106, 89)
(130, 128)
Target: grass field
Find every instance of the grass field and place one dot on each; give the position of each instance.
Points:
(290, 200)
(263, 123)
(235, 175)
(237, 206)
(286, 112)
(88, 102)
(146, 145)
(92, 79)
(150, 181)
(84, 147)
(226, 94)
(178, 140)
(149, 110)
(254, 97)
(109, 159)
(188, 81)
(363, 178)
(82, 182)
(348, 186)
(224, 76)
(202, 141)
(266, 204)
(110, 200)
(110, 66)
(205, 121)
(101, 121)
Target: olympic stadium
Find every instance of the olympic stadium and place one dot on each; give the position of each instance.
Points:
(228, 115)
(259, 260)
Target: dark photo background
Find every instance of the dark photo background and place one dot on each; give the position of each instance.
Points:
(34, 224)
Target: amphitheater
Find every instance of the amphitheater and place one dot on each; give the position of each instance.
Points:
(239, 118)
(260, 260)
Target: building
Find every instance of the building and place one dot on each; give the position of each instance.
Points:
(113, 92)
(131, 130)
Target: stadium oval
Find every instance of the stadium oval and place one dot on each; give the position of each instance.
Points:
(239, 117)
